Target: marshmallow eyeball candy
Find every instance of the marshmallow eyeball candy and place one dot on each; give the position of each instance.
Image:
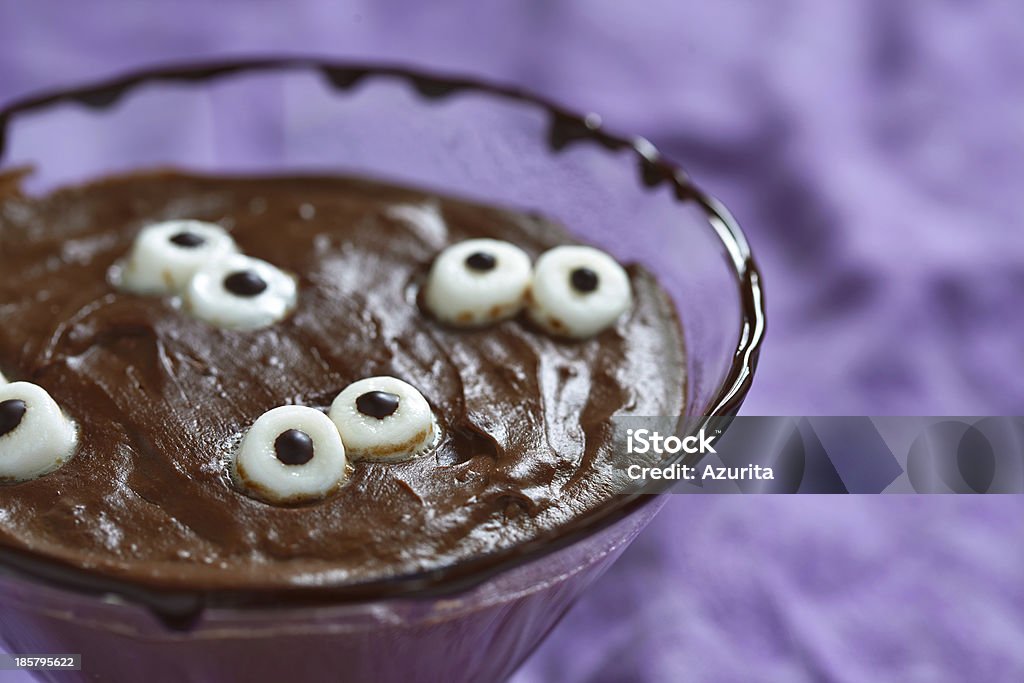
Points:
(578, 291)
(35, 436)
(383, 418)
(241, 293)
(291, 454)
(477, 282)
(166, 255)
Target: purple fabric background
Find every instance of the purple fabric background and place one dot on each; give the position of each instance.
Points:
(874, 152)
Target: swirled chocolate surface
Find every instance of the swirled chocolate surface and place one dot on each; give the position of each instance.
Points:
(161, 397)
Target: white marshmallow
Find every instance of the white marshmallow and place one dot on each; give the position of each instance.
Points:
(258, 469)
(38, 439)
(459, 294)
(158, 264)
(3, 380)
(565, 309)
(406, 432)
(210, 299)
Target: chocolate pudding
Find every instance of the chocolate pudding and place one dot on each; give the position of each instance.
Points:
(161, 397)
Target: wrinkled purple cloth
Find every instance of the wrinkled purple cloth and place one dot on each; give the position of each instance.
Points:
(874, 152)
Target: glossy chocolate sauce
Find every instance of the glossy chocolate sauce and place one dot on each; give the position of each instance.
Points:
(162, 397)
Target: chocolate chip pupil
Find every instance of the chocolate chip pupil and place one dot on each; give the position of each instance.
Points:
(481, 261)
(584, 280)
(11, 412)
(188, 240)
(378, 404)
(245, 283)
(293, 447)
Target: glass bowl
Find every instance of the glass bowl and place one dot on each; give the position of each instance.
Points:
(471, 621)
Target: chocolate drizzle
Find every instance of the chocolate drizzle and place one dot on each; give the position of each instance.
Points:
(11, 413)
(565, 128)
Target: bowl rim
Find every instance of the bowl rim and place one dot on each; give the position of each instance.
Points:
(179, 607)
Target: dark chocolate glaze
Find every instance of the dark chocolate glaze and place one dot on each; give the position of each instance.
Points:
(162, 398)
